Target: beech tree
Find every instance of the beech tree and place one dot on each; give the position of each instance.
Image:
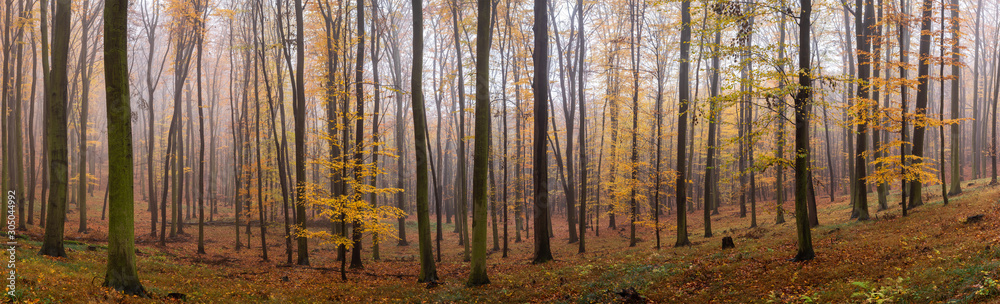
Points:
(428, 273)
(482, 148)
(683, 101)
(805, 247)
(55, 129)
(121, 273)
(540, 173)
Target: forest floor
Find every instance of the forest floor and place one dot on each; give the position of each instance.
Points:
(930, 256)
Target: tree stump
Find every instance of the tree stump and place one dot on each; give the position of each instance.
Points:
(727, 242)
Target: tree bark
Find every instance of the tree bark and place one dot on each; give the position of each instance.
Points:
(956, 161)
(427, 271)
(300, 137)
(121, 272)
(682, 118)
(481, 154)
(805, 248)
(540, 173)
(56, 133)
(923, 71)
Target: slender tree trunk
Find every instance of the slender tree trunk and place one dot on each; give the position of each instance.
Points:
(581, 57)
(201, 148)
(780, 150)
(281, 148)
(46, 94)
(862, 24)
(399, 139)
(359, 130)
(923, 71)
(941, 164)
(877, 45)
(684, 100)
(440, 160)
(82, 179)
(976, 124)
(56, 133)
(540, 173)
(300, 137)
(568, 175)
(711, 164)
(956, 161)
(376, 118)
(637, 36)
(260, 170)
(150, 27)
(427, 271)
(903, 41)
(519, 189)
(805, 250)
(31, 137)
(481, 154)
(993, 127)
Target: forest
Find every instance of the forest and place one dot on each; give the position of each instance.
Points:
(500, 151)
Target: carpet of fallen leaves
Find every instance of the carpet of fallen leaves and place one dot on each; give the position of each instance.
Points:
(930, 256)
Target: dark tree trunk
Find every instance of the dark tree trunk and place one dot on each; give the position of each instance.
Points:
(299, 109)
(805, 248)
(56, 133)
(684, 99)
(540, 174)
(427, 271)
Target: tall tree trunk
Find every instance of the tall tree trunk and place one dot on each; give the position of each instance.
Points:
(332, 34)
(359, 131)
(862, 24)
(923, 71)
(780, 150)
(31, 137)
(956, 161)
(400, 142)
(150, 27)
(684, 100)
(849, 147)
(805, 250)
(941, 164)
(875, 64)
(281, 148)
(481, 153)
(568, 175)
(903, 41)
(376, 118)
(256, 96)
(427, 271)
(581, 57)
(201, 146)
(56, 133)
(46, 95)
(540, 173)
(711, 164)
(976, 124)
(519, 189)
(299, 109)
(440, 159)
(82, 179)
(637, 37)
(121, 272)
(461, 200)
